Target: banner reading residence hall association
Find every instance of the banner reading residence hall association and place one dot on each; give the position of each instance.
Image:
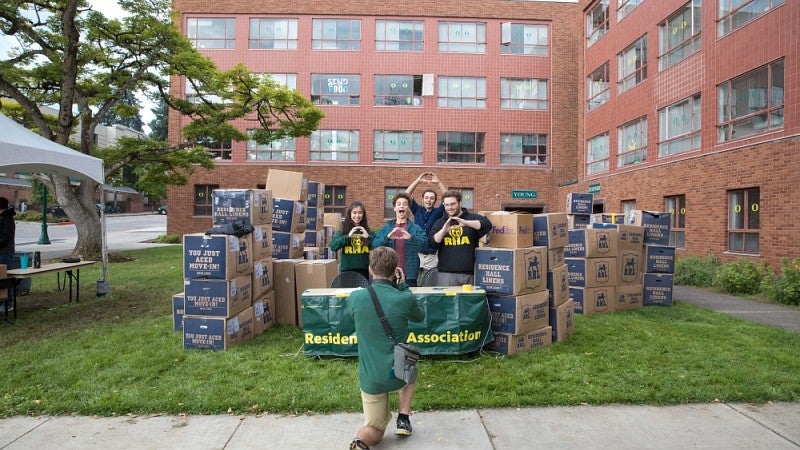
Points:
(456, 322)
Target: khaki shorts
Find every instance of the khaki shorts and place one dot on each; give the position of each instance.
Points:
(427, 262)
(376, 410)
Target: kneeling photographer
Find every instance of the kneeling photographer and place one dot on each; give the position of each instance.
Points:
(376, 353)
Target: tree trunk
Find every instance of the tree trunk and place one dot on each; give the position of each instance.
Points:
(78, 203)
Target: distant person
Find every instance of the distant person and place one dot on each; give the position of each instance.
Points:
(405, 237)
(376, 351)
(456, 237)
(7, 231)
(426, 215)
(23, 207)
(354, 240)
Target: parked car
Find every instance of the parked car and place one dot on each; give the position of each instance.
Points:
(110, 208)
(56, 211)
(162, 210)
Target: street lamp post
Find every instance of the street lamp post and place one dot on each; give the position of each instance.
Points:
(43, 238)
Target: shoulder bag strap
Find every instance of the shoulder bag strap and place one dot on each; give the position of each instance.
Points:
(384, 321)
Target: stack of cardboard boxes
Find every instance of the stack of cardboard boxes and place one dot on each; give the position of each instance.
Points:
(658, 257)
(591, 258)
(630, 242)
(513, 273)
(579, 210)
(315, 240)
(550, 231)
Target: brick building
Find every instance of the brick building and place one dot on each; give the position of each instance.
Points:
(502, 96)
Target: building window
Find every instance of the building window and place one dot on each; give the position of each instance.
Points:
(734, 14)
(336, 34)
(388, 197)
(278, 150)
(632, 65)
(632, 142)
(467, 197)
(203, 198)
(679, 35)
(288, 80)
(335, 200)
(596, 22)
(679, 127)
(598, 87)
(627, 206)
(522, 39)
(743, 220)
(462, 37)
(751, 103)
(457, 146)
(523, 94)
(335, 89)
(398, 146)
(597, 154)
(462, 92)
(523, 149)
(216, 149)
(334, 145)
(398, 90)
(211, 34)
(399, 35)
(279, 34)
(624, 7)
(676, 206)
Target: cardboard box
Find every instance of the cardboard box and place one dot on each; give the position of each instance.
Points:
(333, 220)
(264, 312)
(610, 218)
(659, 259)
(558, 285)
(287, 245)
(510, 230)
(229, 205)
(217, 256)
(656, 225)
(314, 239)
(312, 253)
(542, 337)
(562, 320)
(580, 203)
(262, 241)
(178, 311)
(510, 344)
(550, 230)
(223, 298)
(555, 257)
(593, 300)
(511, 271)
(629, 297)
(263, 277)
(578, 221)
(284, 285)
(592, 272)
(316, 194)
(591, 243)
(218, 333)
(518, 314)
(311, 274)
(288, 185)
(314, 219)
(657, 289)
(288, 216)
(629, 267)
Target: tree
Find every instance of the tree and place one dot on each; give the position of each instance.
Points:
(126, 113)
(87, 64)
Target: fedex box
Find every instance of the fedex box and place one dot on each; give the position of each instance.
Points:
(579, 203)
(558, 285)
(562, 320)
(591, 243)
(658, 289)
(218, 333)
(518, 314)
(659, 259)
(629, 267)
(656, 225)
(262, 277)
(262, 241)
(254, 205)
(178, 311)
(316, 194)
(264, 312)
(285, 291)
(288, 185)
(287, 245)
(511, 271)
(224, 298)
(314, 218)
(550, 230)
(288, 216)
(592, 272)
(593, 300)
(510, 230)
(630, 297)
(216, 256)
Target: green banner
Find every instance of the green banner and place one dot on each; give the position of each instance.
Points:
(456, 322)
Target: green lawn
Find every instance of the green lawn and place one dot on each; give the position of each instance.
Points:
(119, 355)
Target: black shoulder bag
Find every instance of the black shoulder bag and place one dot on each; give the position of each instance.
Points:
(405, 355)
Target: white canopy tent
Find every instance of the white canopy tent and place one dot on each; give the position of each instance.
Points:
(22, 150)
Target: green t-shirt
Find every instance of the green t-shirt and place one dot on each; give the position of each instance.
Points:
(355, 251)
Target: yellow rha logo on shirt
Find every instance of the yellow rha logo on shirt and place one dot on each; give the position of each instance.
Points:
(456, 237)
(356, 246)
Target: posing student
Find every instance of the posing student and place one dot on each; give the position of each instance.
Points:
(354, 240)
(405, 237)
(427, 214)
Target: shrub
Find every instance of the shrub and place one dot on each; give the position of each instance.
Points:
(784, 288)
(740, 277)
(696, 271)
(169, 239)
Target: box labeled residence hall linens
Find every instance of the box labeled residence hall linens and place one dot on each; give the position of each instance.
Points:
(511, 271)
(262, 241)
(550, 230)
(316, 195)
(262, 277)
(264, 312)
(224, 298)
(562, 320)
(254, 205)
(518, 314)
(216, 256)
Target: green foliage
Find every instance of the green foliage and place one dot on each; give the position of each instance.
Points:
(169, 239)
(696, 271)
(784, 287)
(740, 277)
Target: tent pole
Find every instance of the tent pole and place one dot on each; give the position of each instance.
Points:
(103, 287)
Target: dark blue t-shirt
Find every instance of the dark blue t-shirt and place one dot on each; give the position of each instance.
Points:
(426, 219)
